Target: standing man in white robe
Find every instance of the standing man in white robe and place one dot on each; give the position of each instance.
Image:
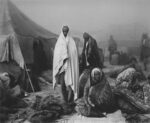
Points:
(66, 66)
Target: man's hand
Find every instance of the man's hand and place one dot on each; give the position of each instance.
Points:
(91, 104)
(54, 87)
(86, 102)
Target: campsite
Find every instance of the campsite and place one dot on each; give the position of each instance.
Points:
(28, 62)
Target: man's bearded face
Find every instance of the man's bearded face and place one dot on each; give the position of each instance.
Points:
(65, 30)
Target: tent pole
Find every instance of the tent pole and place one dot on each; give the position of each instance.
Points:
(29, 78)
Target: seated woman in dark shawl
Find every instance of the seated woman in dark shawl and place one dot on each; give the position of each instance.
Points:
(98, 97)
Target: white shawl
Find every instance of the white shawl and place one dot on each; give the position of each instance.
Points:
(66, 60)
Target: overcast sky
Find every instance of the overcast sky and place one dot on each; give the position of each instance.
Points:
(88, 15)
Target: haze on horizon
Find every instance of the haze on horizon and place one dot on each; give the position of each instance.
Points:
(122, 18)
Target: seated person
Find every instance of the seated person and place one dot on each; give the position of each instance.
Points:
(146, 91)
(4, 80)
(8, 99)
(131, 75)
(133, 63)
(126, 77)
(98, 96)
(8, 96)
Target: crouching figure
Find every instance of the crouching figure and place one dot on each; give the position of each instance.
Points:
(98, 97)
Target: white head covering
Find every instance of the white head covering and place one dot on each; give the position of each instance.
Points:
(96, 70)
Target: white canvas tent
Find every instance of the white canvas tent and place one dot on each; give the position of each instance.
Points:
(10, 50)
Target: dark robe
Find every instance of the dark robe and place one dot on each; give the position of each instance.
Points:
(112, 47)
(100, 95)
(145, 49)
(40, 60)
(93, 56)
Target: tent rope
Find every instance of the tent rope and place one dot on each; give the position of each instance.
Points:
(29, 78)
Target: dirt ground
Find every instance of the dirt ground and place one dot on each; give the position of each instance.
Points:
(55, 96)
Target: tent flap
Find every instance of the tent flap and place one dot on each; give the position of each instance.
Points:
(10, 50)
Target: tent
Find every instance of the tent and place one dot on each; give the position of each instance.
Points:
(10, 50)
(30, 36)
(28, 33)
(11, 59)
